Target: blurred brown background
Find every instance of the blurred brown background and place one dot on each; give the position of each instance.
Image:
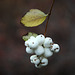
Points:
(61, 28)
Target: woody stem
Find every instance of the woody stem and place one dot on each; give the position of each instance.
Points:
(48, 17)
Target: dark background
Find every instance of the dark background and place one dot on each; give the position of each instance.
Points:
(61, 28)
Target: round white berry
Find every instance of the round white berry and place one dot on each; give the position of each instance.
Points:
(55, 48)
(36, 61)
(40, 38)
(27, 43)
(33, 43)
(29, 50)
(44, 62)
(47, 52)
(47, 42)
(39, 50)
(32, 57)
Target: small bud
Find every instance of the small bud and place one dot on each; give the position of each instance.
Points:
(55, 48)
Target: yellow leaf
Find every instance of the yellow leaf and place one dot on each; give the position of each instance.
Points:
(33, 18)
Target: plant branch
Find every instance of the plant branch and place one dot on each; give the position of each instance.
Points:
(48, 17)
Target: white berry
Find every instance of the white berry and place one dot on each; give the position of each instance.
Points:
(44, 62)
(55, 48)
(36, 61)
(40, 38)
(32, 57)
(47, 52)
(39, 50)
(47, 42)
(33, 43)
(27, 43)
(29, 50)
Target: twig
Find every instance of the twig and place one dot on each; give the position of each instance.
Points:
(48, 17)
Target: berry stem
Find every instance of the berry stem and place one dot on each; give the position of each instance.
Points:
(48, 17)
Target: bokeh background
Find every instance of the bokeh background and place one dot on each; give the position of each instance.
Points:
(61, 28)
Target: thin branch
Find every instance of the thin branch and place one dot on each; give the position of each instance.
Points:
(48, 17)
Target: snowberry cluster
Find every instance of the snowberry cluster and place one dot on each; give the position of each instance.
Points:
(42, 48)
